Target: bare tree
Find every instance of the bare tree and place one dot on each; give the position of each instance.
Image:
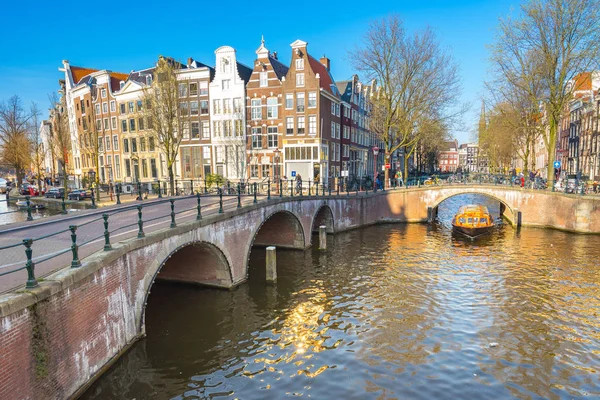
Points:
(417, 81)
(37, 145)
(561, 38)
(15, 145)
(61, 138)
(168, 121)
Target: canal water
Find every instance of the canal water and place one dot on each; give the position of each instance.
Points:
(10, 213)
(390, 311)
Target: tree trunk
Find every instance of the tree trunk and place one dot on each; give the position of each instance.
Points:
(386, 172)
(172, 180)
(20, 176)
(405, 166)
(551, 151)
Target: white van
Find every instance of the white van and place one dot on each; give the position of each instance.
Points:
(3, 186)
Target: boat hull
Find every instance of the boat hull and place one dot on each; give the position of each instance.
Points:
(472, 231)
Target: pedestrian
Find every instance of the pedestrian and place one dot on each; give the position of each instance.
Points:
(522, 180)
(399, 181)
(298, 183)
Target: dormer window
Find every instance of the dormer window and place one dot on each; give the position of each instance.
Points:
(148, 80)
(300, 63)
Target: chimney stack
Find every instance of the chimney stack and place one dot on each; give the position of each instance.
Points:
(326, 62)
(190, 61)
(275, 55)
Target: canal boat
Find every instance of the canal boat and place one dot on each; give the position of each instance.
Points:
(22, 204)
(473, 220)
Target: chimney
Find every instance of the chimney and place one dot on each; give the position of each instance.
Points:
(325, 61)
(275, 55)
(190, 61)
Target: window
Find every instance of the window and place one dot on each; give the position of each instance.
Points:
(204, 107)
(206, 154)
(300, 102)
(97, 109)
(193, 107)
(332, 108)
(254, 171)
(257, 138)
(127, 167)
(312, 99)
(184, 108)
(346, 150)
(105, 108)
(217, 128)
(186, 130)
(226, 83)
(312, 125)
(151, 146)
(103, 93)
(346, 136)
(106, 126)
(289, 101)
(256, 112)
(219, 154)
(227, 128)
(205, 130)
(226, 106)
(237, 105)
(333, 130)
(115, 143)
(266, 170)
(217, 106)
(82, 107)
(264, 79)
(122, 108)
(98, 124)
(100, 144)
(142, 144)
(195, 130)
(153, 168)
(141, 124)
(272, 107)
(225, 65)
(193, 89)
(117, 167)
(113, 106)
(130, 107)
(337, 131)
(272, 141)
(107, 140)
(145, 168)
(131, 125)
(337, 110)
(299, 63)
(140, 105)
(299, 79)
(203, 88)
(239, 127)
(289, 125)
(113, 123)
(126, 145)
(183, 89)
(133, 145)
(300, 125)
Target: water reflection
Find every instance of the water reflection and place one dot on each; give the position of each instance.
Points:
(391, 311)
(10, 213)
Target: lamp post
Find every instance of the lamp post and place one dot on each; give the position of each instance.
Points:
(375, 153)
(276, 152)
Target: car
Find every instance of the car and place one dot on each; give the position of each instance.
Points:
(27, 189)
(56, 192)
(79, 194)
(4, 186)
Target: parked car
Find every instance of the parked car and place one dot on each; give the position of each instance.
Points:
(27, 189)
(3, 186)
(56, 192)
(79, 194)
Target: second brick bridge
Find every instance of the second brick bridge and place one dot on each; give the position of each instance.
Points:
(88, 315)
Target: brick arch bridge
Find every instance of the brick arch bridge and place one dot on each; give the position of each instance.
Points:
(90, 315)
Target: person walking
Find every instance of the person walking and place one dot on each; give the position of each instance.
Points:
(298, 183)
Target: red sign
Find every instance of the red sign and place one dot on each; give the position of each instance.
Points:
(387, 166)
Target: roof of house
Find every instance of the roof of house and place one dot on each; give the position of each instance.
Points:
(79, 73)
(345, 88)
(583, 81)
(327, 83)
(280, 69)
(244, 71)
(140, 76)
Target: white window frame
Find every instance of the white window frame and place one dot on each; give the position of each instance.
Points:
(300, 80)
(263, 79)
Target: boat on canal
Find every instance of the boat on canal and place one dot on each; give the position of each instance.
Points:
(22, 204)
(473, 220)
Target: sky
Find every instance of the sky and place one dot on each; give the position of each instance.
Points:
(36, 36)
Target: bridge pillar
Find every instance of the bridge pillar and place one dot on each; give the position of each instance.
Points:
(517, 217)
(431, 214)
(271, 259)
(322, 237)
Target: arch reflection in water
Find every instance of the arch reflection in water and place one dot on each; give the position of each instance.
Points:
(388, 311)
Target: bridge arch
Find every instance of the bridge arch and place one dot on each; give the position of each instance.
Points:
(323, 216)
(197, 263)
(281, 228)
(445, 195)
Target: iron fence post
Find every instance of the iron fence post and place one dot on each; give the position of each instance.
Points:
(220, 201)
(199, 207)
(63, 205)
(309, 188)
(191, 186)
(239, 195)
(280, 187)
(255, 189)
(323, 186)
(291, 187)
(29, 216)
(118, 188)
(140, 223)
(139, 185)
(338, 188)
(205, 188)
(107, 245)
(173, 224)
(30, 266)
(75, 263)
(301, 187)
(176, 188)
(159, 190)
(329, 188)
(268, 189)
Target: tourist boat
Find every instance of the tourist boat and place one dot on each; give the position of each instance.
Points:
(34, 206)
(473, 220)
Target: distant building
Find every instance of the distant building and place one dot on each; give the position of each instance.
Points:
(448, 158)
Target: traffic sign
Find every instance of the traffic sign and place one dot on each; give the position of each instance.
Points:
(557, 164)
(387, 166)
(293, 174)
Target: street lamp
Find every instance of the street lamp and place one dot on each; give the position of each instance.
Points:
(375, 152)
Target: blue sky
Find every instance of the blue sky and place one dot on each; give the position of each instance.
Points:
(122, 36)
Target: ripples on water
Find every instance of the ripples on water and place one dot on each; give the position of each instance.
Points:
(391, 311)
